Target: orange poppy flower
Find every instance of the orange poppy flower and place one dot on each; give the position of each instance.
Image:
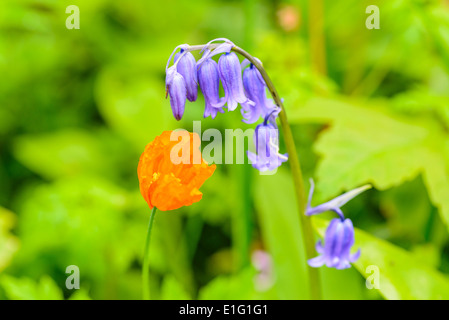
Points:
(165, 184)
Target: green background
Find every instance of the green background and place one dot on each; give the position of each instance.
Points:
(77, 108)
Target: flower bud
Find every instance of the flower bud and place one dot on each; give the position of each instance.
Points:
(176, 87)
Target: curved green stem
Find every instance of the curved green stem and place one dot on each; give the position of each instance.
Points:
(306, 225)
(307, 230)
(146, 261)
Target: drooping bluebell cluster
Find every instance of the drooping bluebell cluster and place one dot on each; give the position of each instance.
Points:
(242, 84)
(339, 236)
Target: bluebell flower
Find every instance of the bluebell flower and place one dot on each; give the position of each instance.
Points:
(176, 87)
(266, 139)
(255, 89)
(187, 68)
(231, 77)
(184, 76)
(209, 81)
(338, 241)
(339, 237)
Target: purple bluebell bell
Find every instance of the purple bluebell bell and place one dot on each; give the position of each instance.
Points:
(176, 87)
(187, 68)
(339, 237)
(338, 241)
(255, 89)
(231, 77)
(266, 139)
(209, 81)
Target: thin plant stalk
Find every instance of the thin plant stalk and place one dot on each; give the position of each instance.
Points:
(306, 225)
(146, 260)
(242, 219)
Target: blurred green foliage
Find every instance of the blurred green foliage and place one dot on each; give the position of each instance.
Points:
(78, 107)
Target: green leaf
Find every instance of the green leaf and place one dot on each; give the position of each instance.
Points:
(280, 224)
(133, 105)
(408, 210)
(236, 287)
(372, 145)
(402, 275)
(80, 212)
(28, 289)
(436, 178)
(80, 294)
(352, 157)
(9, 244)
(333, 281)
(62, 153)
(173, 290)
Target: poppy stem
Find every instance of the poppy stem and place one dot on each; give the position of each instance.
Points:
(146, 262)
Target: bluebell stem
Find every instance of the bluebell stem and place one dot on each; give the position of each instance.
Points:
(255, 89)
(226, 46)
(210, 50)
(266, 139)
(209, 83)
(182, 47)
(176, 87)
(231, 77)
(339, 236)
(187, 68)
